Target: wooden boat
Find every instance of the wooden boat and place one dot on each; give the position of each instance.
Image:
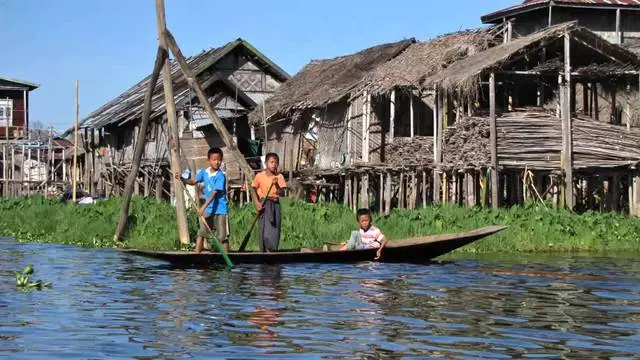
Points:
(413, 250)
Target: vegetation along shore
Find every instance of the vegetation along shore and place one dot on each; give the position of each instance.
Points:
(532, 228)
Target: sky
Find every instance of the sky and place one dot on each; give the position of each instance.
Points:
(109, 45)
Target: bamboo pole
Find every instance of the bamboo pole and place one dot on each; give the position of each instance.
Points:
(161, 57)
(424, 189)
(381, 193)
(173, 138)
(74, 180)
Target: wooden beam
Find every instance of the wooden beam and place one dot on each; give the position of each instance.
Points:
(392, 115)
(172, 122)
(161, 56)
(567, 145)
(493, 143)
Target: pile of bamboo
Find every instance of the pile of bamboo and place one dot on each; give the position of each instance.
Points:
(534, 140)
(466, 144)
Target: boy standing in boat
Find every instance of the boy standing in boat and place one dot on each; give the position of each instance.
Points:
(215, 209)
(269, 185)
(367, 237)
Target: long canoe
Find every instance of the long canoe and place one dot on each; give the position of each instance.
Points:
(413, 250)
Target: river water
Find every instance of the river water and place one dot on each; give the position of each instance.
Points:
(104, 304)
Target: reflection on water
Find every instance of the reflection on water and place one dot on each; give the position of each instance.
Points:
(106, 305)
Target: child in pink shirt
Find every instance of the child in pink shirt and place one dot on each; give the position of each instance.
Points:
(368, 237)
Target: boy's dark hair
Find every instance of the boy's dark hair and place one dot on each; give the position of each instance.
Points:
(363, 211)
(214, 150)
(271, 155)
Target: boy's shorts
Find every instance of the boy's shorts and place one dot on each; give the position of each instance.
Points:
(355, 242)
(218, 224)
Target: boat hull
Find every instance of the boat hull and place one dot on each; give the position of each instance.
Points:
(414, 250)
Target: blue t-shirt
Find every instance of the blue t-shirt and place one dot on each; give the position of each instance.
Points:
(214, 181)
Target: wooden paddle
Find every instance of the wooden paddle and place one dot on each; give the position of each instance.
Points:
(253, 223)
(204, 221)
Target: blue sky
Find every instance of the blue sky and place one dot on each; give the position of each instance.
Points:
(109, 45)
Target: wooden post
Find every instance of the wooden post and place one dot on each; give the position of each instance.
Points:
(595, 108)
(349, 136)
(618, 32)
(636, 192)
(401, 197)
(615, 193)
(347, 190)
(411, 123)
(387, 192)
(173, 136)
(159, 186)
(161, 57)
(471, 188)
(5, 186)
(74, 175)
(365, 190)
(392, 116)
(437, 148)
(413, 190)
(585, 99)
(495, 176)
(381, 193)
(365, 127)
(354, 201)
(567, 145)
(632, 210)
(424, 189)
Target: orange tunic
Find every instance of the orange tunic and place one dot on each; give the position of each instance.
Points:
(262, 182)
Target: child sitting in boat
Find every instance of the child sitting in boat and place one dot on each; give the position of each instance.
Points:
(368, 237)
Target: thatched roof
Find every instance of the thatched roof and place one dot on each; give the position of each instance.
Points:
(325, 81)
(467, 72)
(426, 58)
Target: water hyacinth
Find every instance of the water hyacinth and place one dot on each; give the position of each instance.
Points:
(152, 225)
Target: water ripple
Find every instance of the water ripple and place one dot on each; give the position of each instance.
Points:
(108, 305)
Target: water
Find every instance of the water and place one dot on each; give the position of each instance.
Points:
(108, 305)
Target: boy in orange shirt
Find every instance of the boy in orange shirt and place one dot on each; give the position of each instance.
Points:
(269, 180)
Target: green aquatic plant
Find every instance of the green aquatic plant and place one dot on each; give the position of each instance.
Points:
(24, 282)
(533, 227)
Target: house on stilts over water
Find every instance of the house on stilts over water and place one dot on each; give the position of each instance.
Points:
(478, 117)
(235, 77)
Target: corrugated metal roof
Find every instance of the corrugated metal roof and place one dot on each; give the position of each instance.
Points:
(200, 118)
(536, 3)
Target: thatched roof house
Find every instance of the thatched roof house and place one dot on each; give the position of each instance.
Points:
(466, 73)
(423, 59)
(322, 82)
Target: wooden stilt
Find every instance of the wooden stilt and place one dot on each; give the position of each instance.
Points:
(347, 189)
(387, 209)
(365, 190)
(381, 193)
(636, 192)
(424, 189)
(402, 199)
(159, 186)
(354, 201)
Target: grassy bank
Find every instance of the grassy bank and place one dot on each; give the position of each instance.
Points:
(531, 229)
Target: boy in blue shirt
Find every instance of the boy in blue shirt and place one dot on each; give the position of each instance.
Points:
(215, 209)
